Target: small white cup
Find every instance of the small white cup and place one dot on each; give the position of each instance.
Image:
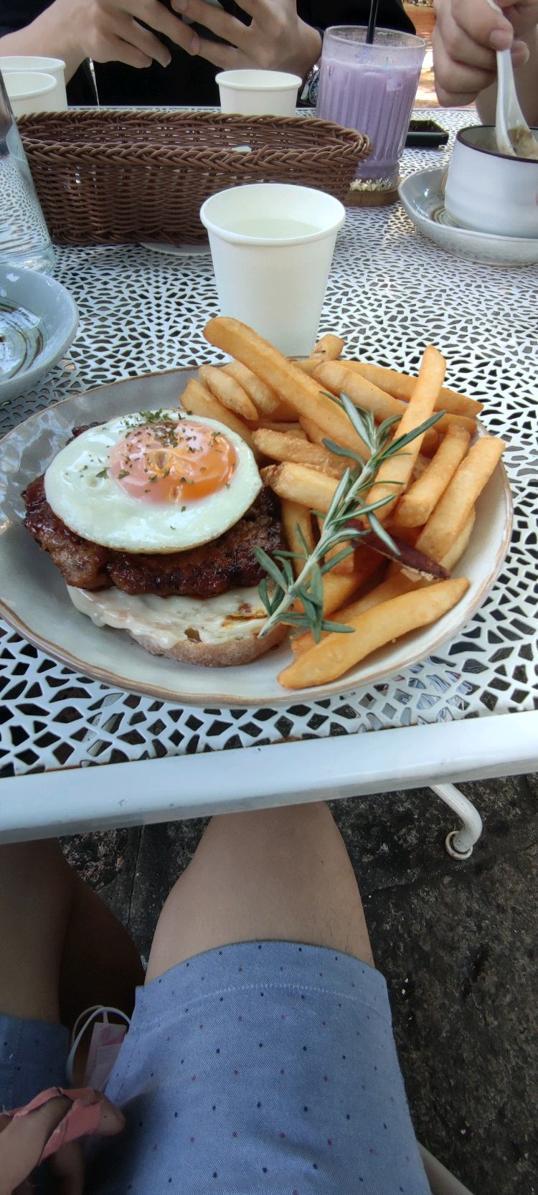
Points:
(272, 245)
(258, 93)
(488, 191)
(48, 66)
(31, 91)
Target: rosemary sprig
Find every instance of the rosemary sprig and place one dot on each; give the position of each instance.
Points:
(280, 590)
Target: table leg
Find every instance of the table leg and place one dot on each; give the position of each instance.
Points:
(460, 843)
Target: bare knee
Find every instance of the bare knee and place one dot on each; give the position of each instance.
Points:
(279, 873)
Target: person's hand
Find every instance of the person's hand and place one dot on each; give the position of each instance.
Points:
(466, 37)
(275, 39)
(111, 30)
(23, 1139)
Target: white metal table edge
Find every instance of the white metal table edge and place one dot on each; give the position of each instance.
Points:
(180, 787)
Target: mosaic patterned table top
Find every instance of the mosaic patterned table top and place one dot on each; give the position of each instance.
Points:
(390, 292)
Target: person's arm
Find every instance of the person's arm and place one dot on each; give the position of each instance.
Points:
(465, 40)
(48, 36)
(105, 30)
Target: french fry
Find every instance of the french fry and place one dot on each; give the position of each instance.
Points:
(263, 396)
(328, 348)
(337, 589)
(416, 505)
(400, 385)
(198, 400)
(460, 544)
(308, 364)
(395, 584)
(317, 436)
(284, 413)
(228, 391)
(372, 629)
(296, 387)
(344, 567)
(452, 511)
(286, 447)
(419, 466)
(297, 522)
(265, 399)
(308, 487)
(336, 376)
(394, 473)
(294, 429)
(311, 429)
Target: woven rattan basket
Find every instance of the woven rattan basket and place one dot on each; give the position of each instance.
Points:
(114, 176)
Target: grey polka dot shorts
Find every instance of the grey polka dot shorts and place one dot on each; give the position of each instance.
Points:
(260, 1067)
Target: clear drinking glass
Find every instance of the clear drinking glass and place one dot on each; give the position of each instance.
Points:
(371, 88)
(24, 237)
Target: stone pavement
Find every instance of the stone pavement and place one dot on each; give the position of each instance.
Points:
(456, 941)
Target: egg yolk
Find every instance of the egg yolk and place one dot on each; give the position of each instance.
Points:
(172, 462)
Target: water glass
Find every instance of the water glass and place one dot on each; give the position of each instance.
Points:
(24, 237)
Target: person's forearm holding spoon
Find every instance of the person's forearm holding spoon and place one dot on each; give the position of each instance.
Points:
(465, 41)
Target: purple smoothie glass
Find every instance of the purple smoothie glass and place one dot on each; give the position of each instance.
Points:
(371, 88)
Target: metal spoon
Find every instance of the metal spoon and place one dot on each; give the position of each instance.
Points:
(512, 132)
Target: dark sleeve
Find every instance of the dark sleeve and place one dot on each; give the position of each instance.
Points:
(321, 14)
(16, 14)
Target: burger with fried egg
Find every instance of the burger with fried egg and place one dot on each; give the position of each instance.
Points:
(152, 519)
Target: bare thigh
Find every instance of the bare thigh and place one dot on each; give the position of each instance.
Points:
(61, 949)
(35, 905)
(274, 874)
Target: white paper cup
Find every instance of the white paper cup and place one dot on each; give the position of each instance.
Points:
(272, 246)
(258, 93)
(31, 91)
(48, 66)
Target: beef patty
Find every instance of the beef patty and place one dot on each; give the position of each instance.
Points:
(225, 563)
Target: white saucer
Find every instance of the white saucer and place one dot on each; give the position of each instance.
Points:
(423, 200)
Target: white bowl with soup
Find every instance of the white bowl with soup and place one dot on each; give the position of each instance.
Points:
(489, 191)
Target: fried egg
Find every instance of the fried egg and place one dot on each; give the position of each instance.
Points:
(154, 481)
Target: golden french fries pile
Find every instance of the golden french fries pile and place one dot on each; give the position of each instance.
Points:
(284, 411)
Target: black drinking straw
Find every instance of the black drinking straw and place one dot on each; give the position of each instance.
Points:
(372, 22)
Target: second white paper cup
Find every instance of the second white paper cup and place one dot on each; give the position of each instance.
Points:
(272, 245)
(258, 93)
(48, 66)
(31, 91)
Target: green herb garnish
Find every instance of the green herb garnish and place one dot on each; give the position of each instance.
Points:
(280, 589)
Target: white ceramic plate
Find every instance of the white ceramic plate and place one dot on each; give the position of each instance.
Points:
(422, 198)
(53, 310)
(34, 600)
